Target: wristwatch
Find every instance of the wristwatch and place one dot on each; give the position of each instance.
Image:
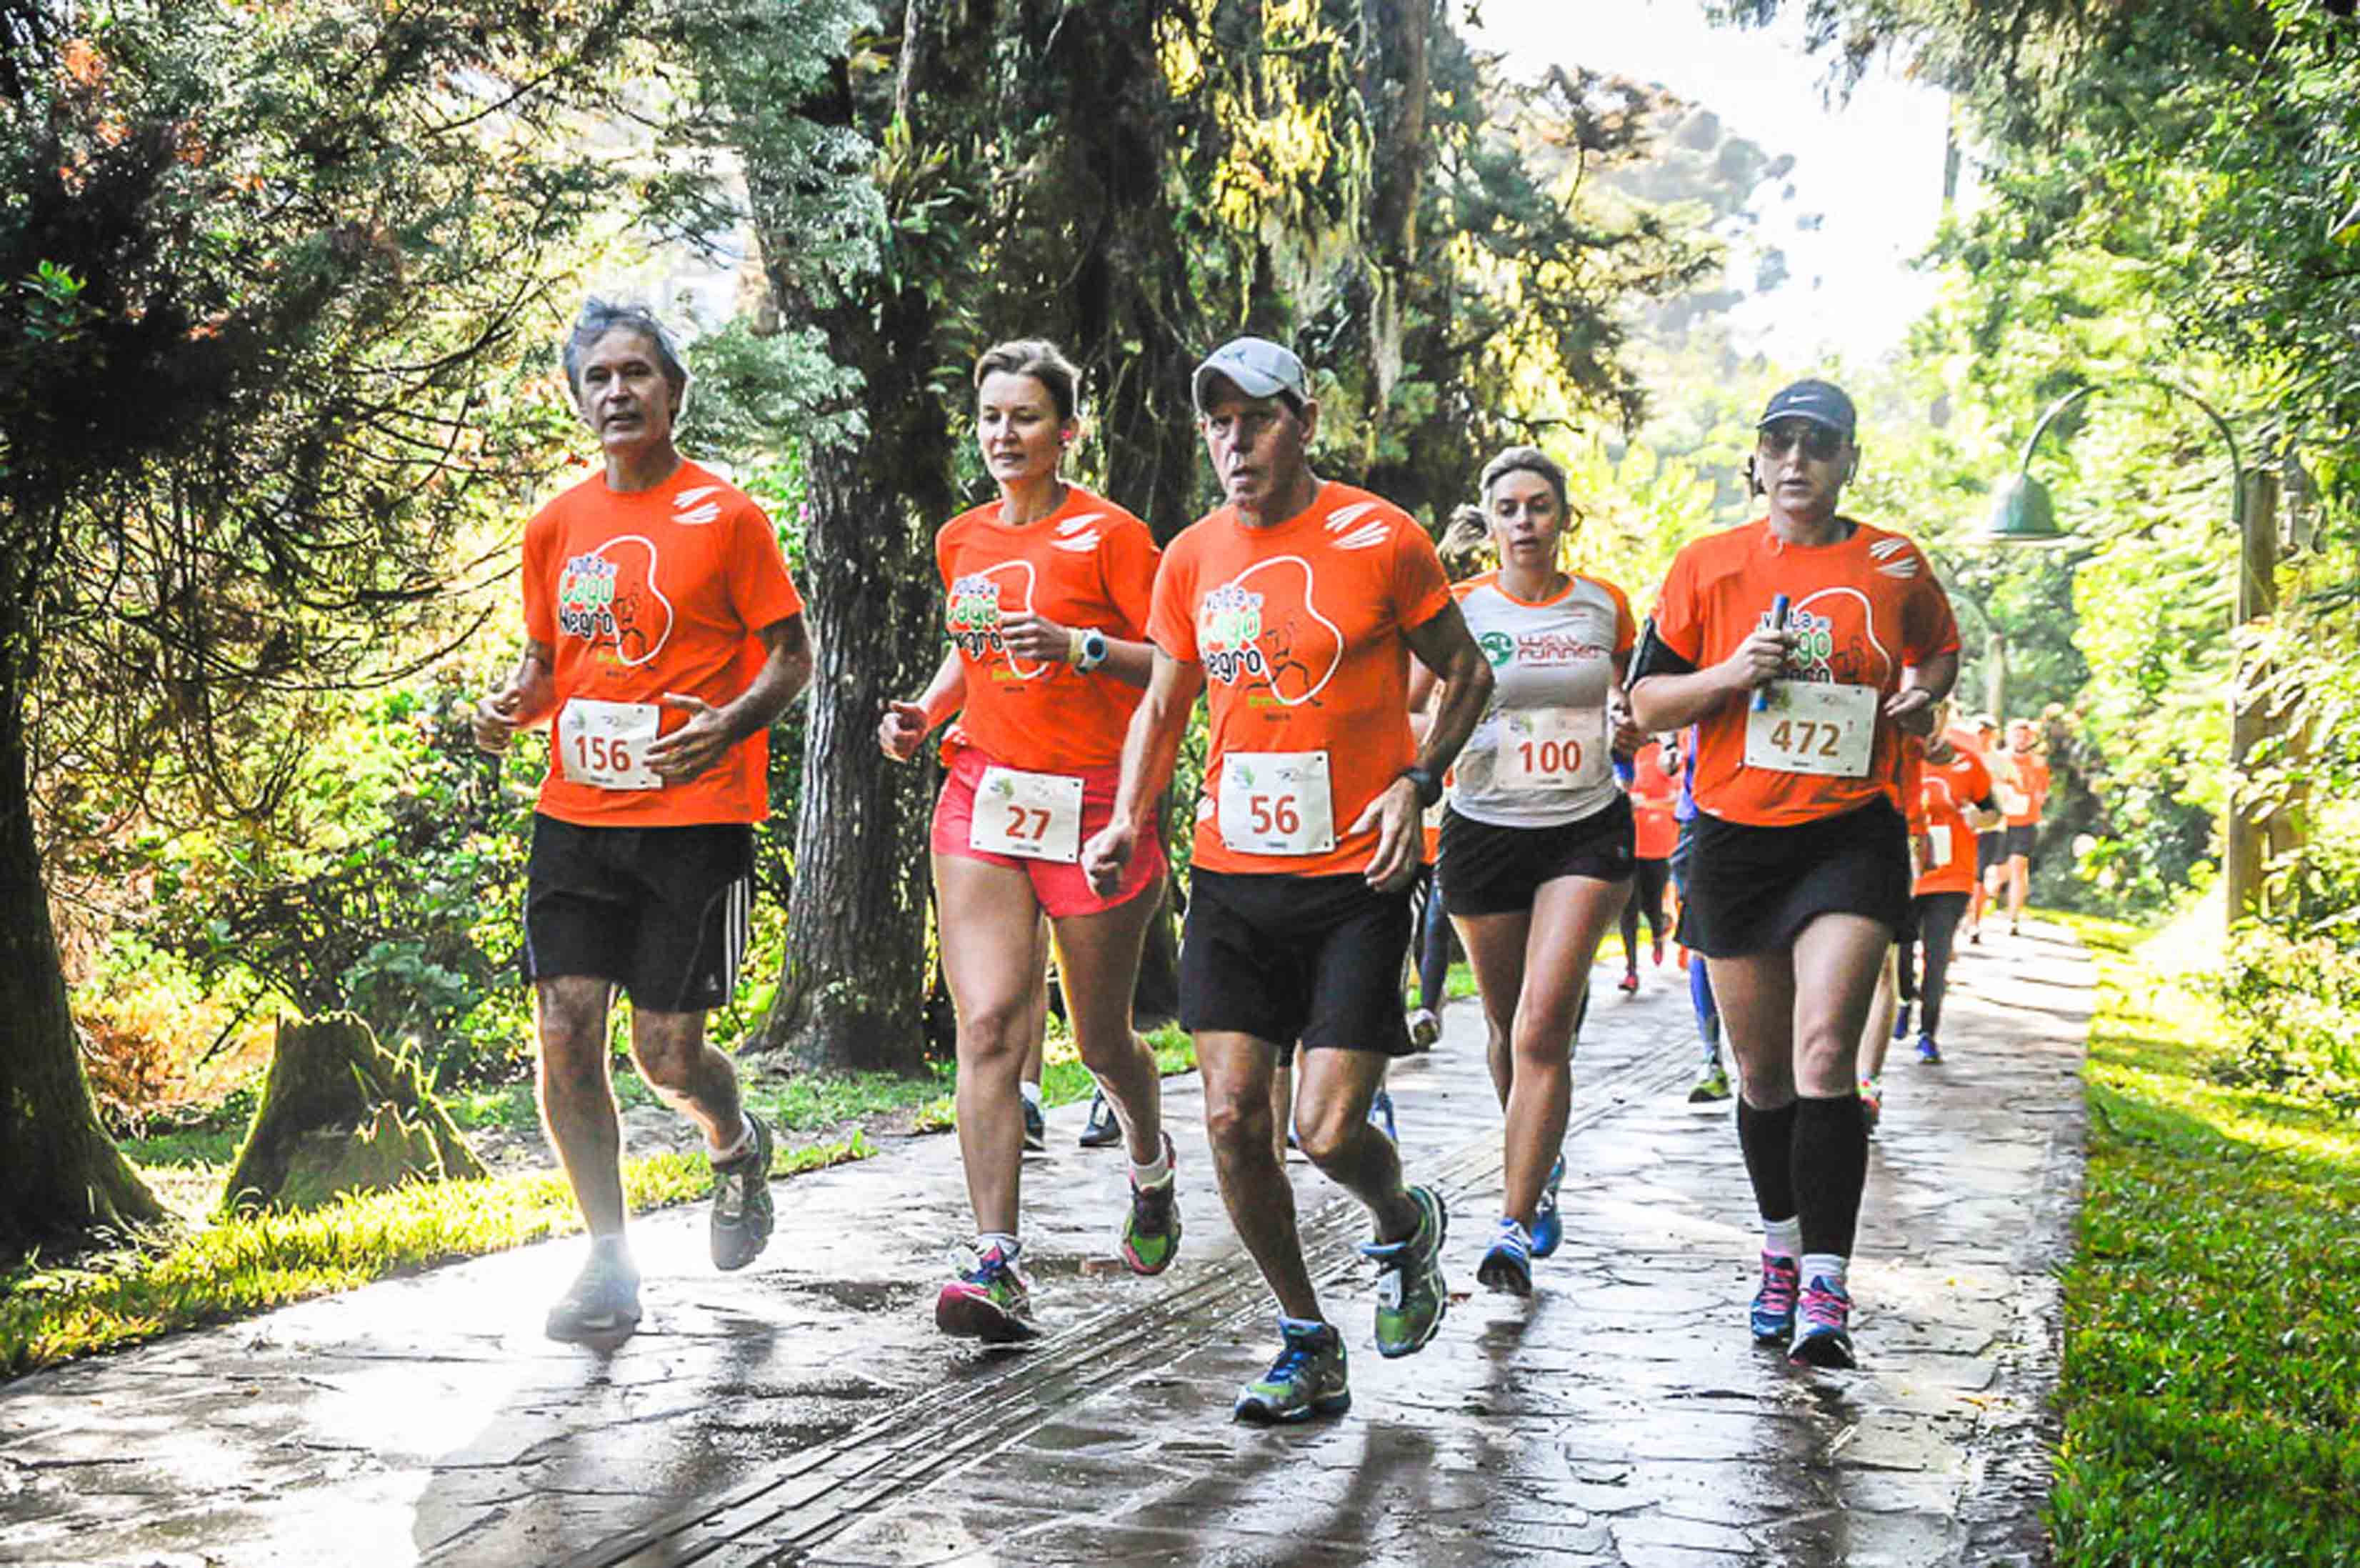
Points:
(1093, 650)
(1429, 788)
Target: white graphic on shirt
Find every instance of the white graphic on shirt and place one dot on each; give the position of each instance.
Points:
(1276, 633)
(607, 596)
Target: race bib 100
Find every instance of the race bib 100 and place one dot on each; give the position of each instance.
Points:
(1036, 816)
(1276, 803)
(1812, 726)
(1552, 748)
(601, 744)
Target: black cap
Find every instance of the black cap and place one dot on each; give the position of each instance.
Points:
(1822, 402)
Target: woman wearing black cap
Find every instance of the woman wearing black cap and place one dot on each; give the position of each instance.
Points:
(1802, 647)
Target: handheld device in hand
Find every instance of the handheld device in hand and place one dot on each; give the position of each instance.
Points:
(1778, 622)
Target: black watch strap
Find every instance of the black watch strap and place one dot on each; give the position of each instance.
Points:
(1429, 788)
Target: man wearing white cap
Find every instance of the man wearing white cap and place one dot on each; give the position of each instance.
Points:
(1292, 606)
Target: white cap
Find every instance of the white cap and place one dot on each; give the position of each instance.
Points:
(1256, 367)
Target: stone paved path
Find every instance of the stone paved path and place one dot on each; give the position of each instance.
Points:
(804, 1413)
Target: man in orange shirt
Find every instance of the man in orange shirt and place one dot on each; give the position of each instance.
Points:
(663, 638)
(1291, 607)
(2023, 780)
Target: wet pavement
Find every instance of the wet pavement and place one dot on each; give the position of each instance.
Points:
(804, 1413)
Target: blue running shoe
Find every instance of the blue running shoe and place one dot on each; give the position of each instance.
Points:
(1901, 1022)
(1824, 1338)
(1381, 1114)
(1549, 1227)
(1928, 1051)
(1307, 1380)
(1773, 1304)
(1508, 1266)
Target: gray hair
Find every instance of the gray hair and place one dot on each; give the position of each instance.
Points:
(600, 317)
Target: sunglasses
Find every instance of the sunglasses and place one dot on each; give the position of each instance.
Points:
(1817, 441)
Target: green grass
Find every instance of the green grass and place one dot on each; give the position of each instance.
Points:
(233, 1267)
(228, 1268)
(2211, 1385)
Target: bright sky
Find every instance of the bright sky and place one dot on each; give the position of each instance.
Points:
(1871, 165)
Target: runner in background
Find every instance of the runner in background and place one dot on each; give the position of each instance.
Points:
(1048, 589)
(1991, 841)
(1291, 608)
(1801, 873)
(663, 637)
(1654, 797)
(2024, 795)
(1537, 843)
(1712, 1081)
(1955, 794)
(1462, 549)
(1885, 1007)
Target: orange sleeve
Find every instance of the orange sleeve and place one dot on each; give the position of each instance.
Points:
(1172, 613)
(1126, 564)
(1679, 624)
(1928, 627)
(1421, 587)
(540, 583)
(943, 552)
(759, 588)
(1979, 779)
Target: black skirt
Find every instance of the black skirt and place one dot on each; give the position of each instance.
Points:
(1752, 890)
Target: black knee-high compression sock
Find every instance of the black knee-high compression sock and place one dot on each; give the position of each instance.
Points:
(1768, 1139)
(1830, 1166)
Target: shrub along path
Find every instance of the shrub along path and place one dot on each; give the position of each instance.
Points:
(805, 1413)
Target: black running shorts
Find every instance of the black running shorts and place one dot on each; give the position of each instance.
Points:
(1288, 959)
(661, 912)
(1496, 870)
(2021, 838)
(1990, 850)
(1752, 890)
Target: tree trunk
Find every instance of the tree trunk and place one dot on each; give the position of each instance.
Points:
(341, 1114)
(62, 1184)
(853, 991)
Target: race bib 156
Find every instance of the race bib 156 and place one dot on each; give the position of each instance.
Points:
(600, 743)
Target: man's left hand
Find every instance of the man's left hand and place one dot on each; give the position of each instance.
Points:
(695, 746)
(1911, 708)
(1400, 835)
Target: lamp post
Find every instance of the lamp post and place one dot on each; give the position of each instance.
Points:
(2023, 513)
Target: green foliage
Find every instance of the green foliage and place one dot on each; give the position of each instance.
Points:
(2211, 1383)
(2294, 1007)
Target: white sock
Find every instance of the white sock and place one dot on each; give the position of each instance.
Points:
(1783, 1238)
(1009, 1245)
(1031, 1091)
(1299, 1326)
(613, 1247)
(1827, 1265)
(1512, 1227)
(1155, 1172)
(745, 1141)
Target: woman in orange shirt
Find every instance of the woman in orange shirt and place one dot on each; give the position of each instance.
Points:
(1048, 590)
(1803, 647)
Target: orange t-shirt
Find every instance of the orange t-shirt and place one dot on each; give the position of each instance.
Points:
(1652, 796)
(1298, 627)
(2030, 777)
(658, 590)
(1088, 563)
(1945, 790)
(1867, 607)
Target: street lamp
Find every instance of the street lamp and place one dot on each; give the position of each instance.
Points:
(2022, 513)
